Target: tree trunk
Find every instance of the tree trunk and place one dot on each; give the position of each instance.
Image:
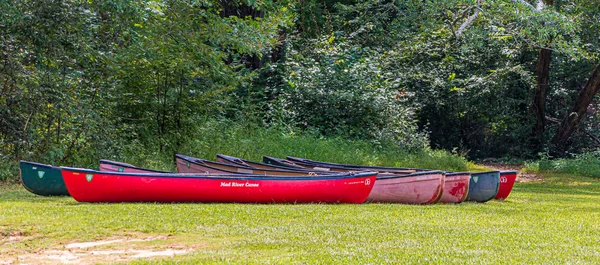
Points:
(542, 71)
(570, 122)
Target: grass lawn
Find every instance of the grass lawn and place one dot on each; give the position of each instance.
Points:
(554, 221)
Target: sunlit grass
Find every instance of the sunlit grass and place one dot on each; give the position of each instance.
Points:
(555, 221)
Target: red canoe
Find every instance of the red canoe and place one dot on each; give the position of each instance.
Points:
(456, 187)
(96, 186)
(415, 188)
(507, 181)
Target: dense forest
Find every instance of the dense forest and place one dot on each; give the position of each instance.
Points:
(83, 80)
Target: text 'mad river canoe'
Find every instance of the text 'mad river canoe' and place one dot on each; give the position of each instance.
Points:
(87, 185)
(484, 186)
(41, 179)
(507, 181)
(411, 188)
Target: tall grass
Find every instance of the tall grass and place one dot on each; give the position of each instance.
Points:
(250, 141)
(586, 165)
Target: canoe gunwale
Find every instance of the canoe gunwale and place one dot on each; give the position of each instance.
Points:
(416, 174)
(199, 160)
(452, 174)
(316, 163)
(120, 164)
(224, 176)
(39, 164)
(485, 172)
(239, 161)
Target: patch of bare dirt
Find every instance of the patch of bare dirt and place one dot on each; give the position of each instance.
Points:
(521, 176)
(105, 251)
(11, 236)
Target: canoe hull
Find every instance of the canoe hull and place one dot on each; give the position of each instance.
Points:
(483, 186)
(456, 188)
(419, 189)
(507, 182)
(44, 180)
(96, 186)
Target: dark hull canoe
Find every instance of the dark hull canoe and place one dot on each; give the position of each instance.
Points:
(187, 164)
(507, 182)
(415, 188)
(483, 186)
(44, 180)
(247, 163)
(269, 160)
(328, 165)
(456, 187)
(114, 166)
(95, 186)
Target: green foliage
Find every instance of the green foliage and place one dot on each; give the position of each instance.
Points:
(81, 80)
(337, 88)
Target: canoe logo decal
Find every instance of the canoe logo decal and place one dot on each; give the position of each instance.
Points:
(503, 180)
(89, 177)
(368, 182)
(475, 179)
(187, 164)
(234, 184)
(120, 169)
(41, 174)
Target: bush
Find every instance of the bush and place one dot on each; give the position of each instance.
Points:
(338, 89)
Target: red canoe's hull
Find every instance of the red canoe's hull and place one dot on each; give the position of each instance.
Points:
(456, 187)
(423, 188)
(507, 182)
(95, 186)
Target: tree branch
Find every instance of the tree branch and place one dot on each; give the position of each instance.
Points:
(557, 121)
(554, 120)
(591, 136)
(470, 20)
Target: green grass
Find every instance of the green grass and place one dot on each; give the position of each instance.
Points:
(550, 222)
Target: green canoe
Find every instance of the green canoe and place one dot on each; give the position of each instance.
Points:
(40, 179)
